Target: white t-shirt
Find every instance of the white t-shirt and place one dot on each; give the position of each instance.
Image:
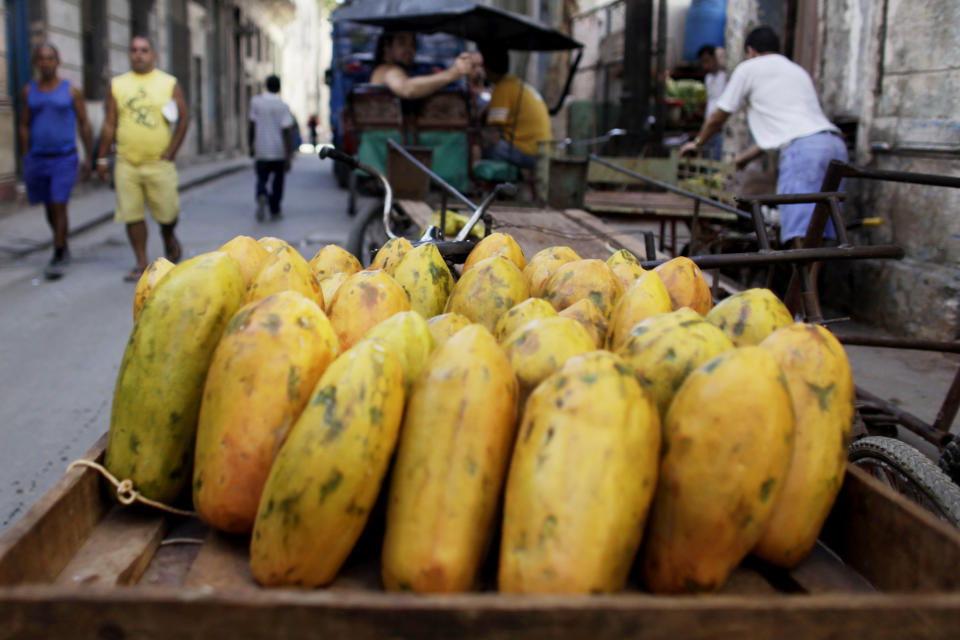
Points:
(715, 82)
(781, 101)
(271, 115)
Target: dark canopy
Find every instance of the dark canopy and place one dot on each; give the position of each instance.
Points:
(468, 20)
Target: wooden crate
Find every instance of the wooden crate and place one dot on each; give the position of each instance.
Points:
(79, 566)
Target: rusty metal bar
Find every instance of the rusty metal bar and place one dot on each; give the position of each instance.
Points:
(668, 187)
(839, 226)
(792, 198)
(794, 256)
(857, 339)
(948, 410)
(912, 422)
(759, 226)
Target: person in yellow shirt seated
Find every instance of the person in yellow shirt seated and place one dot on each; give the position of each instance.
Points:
(517, 115)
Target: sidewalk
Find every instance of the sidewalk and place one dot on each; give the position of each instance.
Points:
(25, 230)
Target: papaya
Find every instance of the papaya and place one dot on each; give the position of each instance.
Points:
(686, 284)
(329, 285)
(750, 316)
(487, 291)
(541, 346)
(496, 244)
(390, 254)
(727, 442)
(248, 253)
(451, 461)
(520, 314)
(409, 336)
(426, 278)
(327, 475)
(821, 387)
(272, 243)
(542, 265)
(262, 373)
(363, 300)
(581, 479)
(148, 281)
(443, 326)
(581, 279)
(285, 269)
(646, 298)
(626, 267)
(592, 319)
(664, 349)
(156, 400)
(333, 259)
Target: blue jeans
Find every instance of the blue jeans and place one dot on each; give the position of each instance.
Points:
(503, 150)
(803, 163)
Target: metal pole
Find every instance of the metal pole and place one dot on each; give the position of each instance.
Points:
(635, 96)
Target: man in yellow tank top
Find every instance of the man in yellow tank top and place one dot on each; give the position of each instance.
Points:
(142, 106)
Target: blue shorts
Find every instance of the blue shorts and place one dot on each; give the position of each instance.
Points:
(50, 179)
(503, 150)
(803, 164)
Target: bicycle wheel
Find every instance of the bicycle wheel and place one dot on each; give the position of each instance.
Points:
(367, 234)
(909, 473)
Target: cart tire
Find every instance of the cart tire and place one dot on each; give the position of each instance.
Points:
(950, 460)
(910, 473)
(367, 235)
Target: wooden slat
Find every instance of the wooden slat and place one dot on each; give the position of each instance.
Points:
(662, 169)
(118, 550)
(41, 543)
(651, 203)
(176, 554)
(223, 563)
(419, 211)
(892, 542)
(190, 614)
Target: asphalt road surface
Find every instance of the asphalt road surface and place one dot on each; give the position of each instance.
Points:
(62, 341)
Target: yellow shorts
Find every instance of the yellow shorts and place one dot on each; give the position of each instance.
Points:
(153, 184)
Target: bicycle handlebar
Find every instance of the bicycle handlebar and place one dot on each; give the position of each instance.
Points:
(353, 163)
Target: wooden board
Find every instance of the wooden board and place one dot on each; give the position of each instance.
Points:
(651, 204)
(206, 591)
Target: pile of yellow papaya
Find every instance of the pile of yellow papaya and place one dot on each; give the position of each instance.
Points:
(598, 419)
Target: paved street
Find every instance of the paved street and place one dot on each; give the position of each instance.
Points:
(63, 340)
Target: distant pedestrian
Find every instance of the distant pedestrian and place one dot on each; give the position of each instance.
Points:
(142, 104)
(713, 61)
(52, 113)
(312, 124)
(271, 139)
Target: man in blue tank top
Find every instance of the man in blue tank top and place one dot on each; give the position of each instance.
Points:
(53, 111)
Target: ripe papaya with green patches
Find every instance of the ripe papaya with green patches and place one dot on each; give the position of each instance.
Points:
(647, 297)
(451, 461)
(443, 326)
(329, 286)
(543, 264)
(409, 336)
(364, 300)
(272, 243)
(148, 281)
(248, 253)
(327, 475)
(626, 267)
(541, 346)
(333, 259)
(727, 442)
(390, 254)
(496, 244)
(591, 279)
(592, 319)
(285, 270)
(520, 314)
(262, 373)
(821, 386)
(686, 284)
(487, 291)
(156, 401)
(664, 349)
(750, 316)
(426, 278)
(582, 475)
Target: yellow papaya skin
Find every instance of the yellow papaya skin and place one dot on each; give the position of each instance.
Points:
(148, 281)
(390, 255)
(446, 325)
(409, 336)
(582, 475)
(520, 314)
(589, 315)
(156, 400)
(487, 291)
(451, 462)
(821, 386)
(750, 316)
(248, 253)
(326, 478)
(426, 278)
(543, 264)
(496, 244)
(333, 259)
(727, 442)
(285, 269)
(262, 373)
(647, 297)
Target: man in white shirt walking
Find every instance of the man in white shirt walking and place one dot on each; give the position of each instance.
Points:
(713, 61)
(783, 112)
(270, 136)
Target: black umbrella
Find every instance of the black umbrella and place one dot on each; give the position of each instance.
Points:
(468, 20)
